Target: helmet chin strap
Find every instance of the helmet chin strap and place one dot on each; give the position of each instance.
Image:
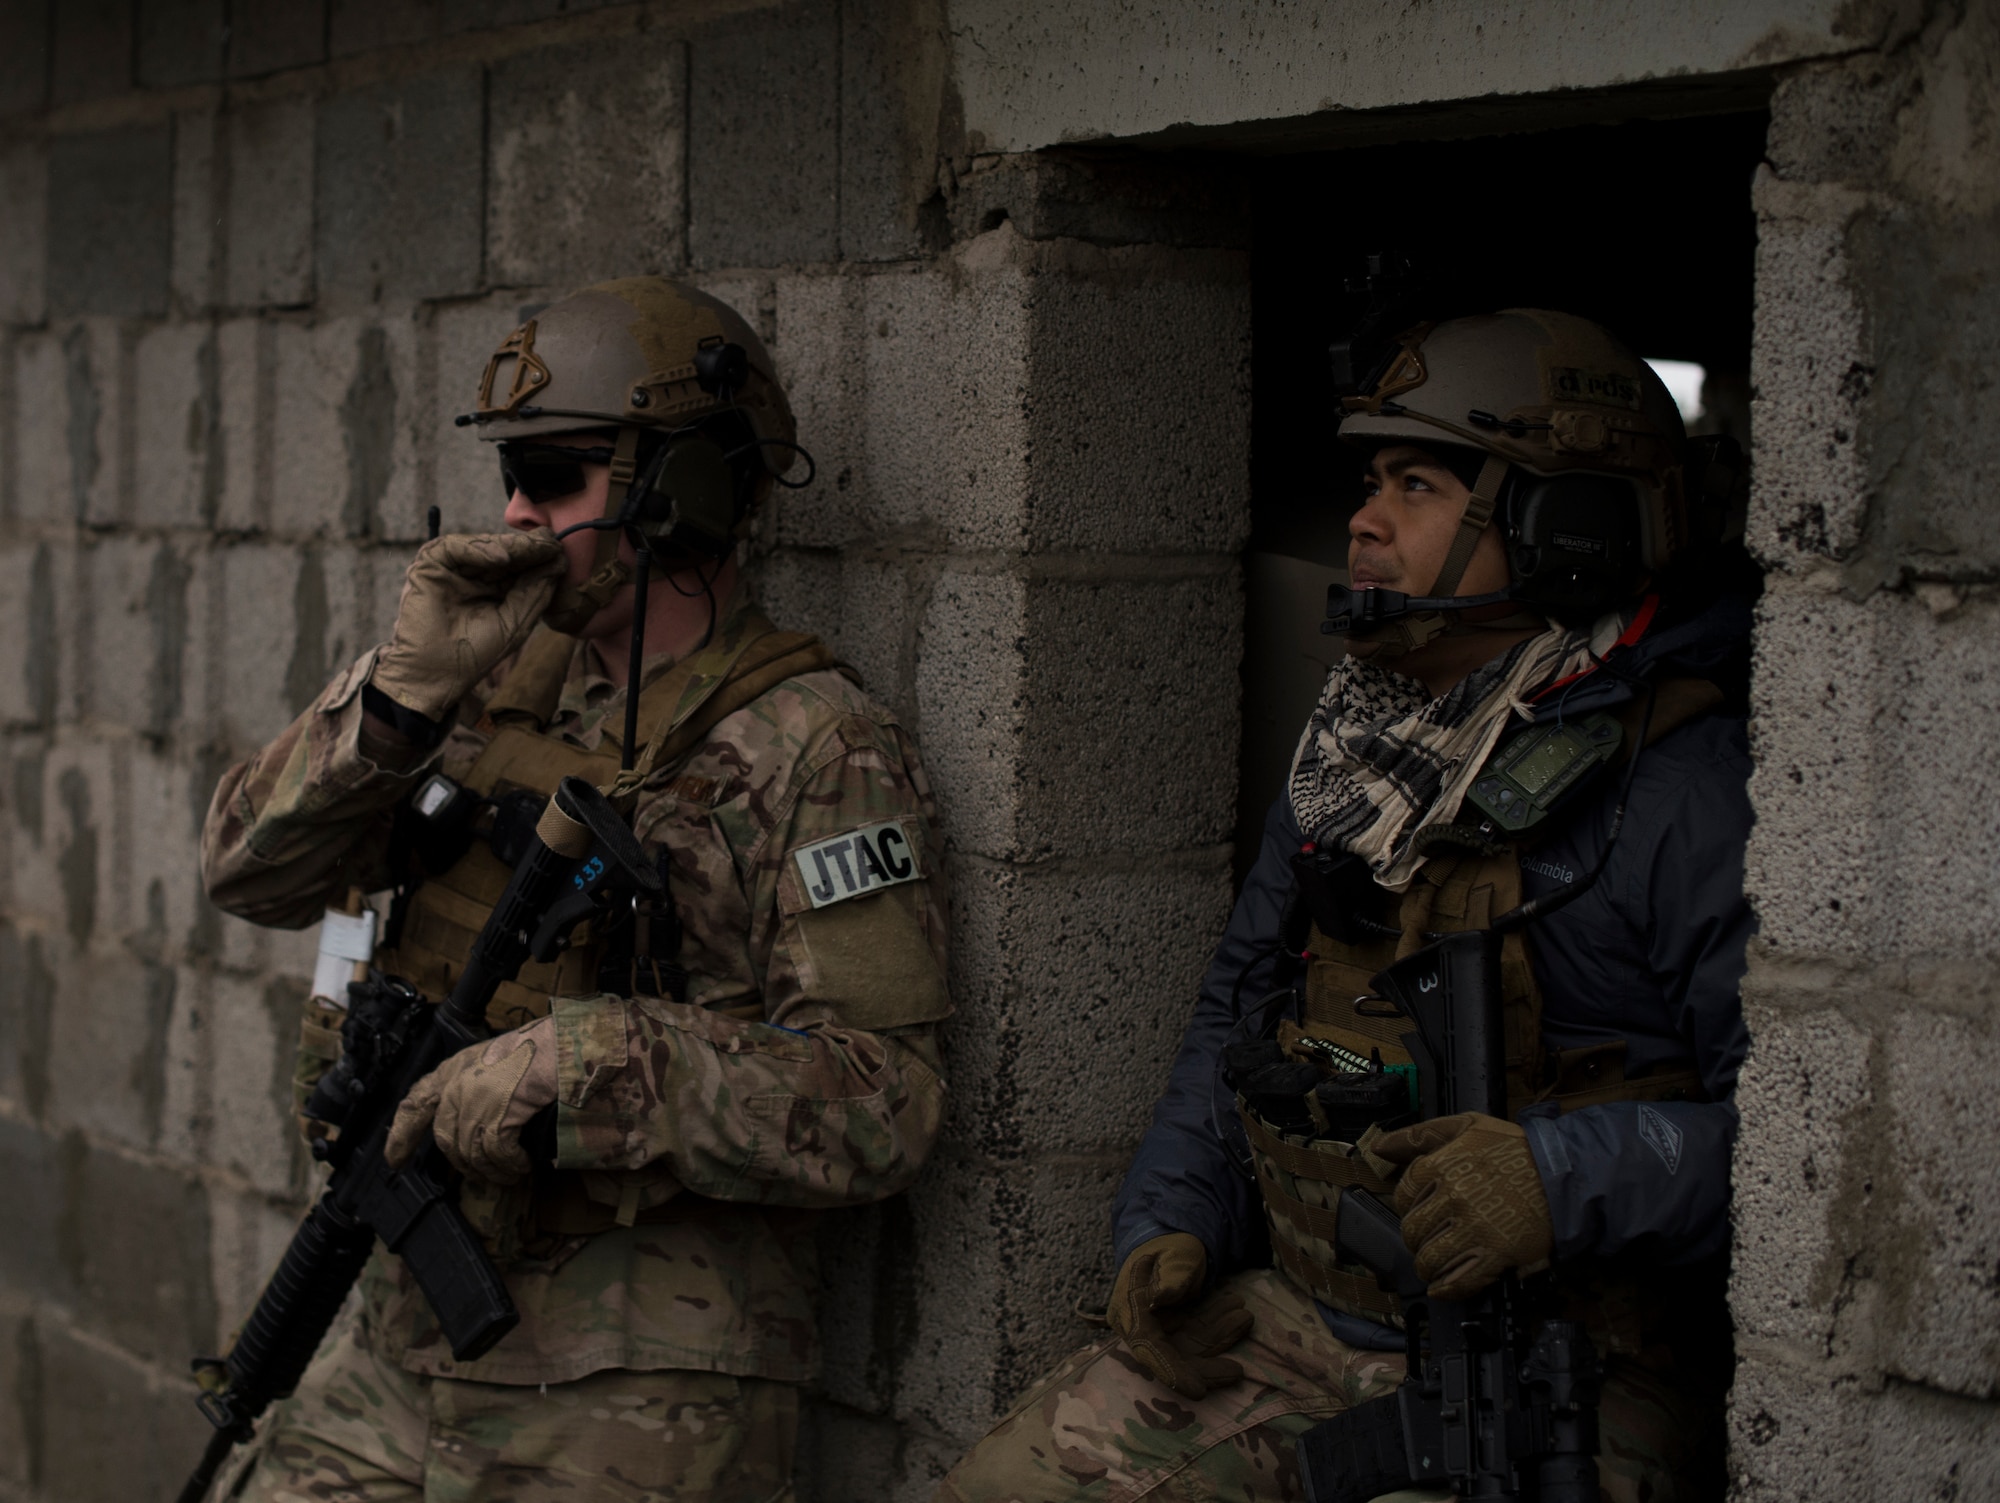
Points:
(574, 605)
(1387, 623)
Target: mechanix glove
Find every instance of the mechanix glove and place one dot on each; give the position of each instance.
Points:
(476, 1103)
(468, 601)
(1471, 1199)
(1182, 1348)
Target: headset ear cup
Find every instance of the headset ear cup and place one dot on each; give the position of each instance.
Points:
(1577, 550)
(691, 504)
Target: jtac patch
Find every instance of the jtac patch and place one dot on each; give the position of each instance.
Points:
(1661, 1136)
(1576, 383)
(857, 863)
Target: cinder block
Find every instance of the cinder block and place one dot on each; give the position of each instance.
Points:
(256, 590)
(199, 208)
(250, 1236)
(1811, 870)
(1110, 665)
(20, 1394)
(176, 426)
(972, 702)
(290, 618)
(1794, 1431)
(112, 1022)
(91, 53)
(1836, 122)
(111, 1429)
(24, 189)
(139, 632)
(97, 355)
(1812, 369)
(1801, 1430)
(587, 162)
(44, 488)
(271, 203)
(137, 1233)
(1074, 983)
(27, 592)
(861, 607)
(893, 63)
(68, 416)
(1862, 790)
(24, 58)
(111, 222)
(267, 36)
(398, 174)
(245, 462)
(1001, 1259)
(1936, 1214)
(1803, 1094)
(255, 1135)
(181, 42)
(910, 389)
(764, 139)
(35, 1260)
(1125, 463)
(344, 396)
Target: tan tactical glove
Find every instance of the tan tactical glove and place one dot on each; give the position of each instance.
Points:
(468, 601)
(476, 1103)
(1472, 1201)
(1183, 1348)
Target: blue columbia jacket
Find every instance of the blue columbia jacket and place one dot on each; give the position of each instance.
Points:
(1652, 954)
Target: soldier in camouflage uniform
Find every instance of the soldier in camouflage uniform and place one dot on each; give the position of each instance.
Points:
(664, 1265)
(1532, 471)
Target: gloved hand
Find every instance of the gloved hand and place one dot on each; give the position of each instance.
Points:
(1471, 1199)
(1181, 1349)
(468, 601)
(476, 1103)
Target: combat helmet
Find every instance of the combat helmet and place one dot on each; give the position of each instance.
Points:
(1584, 460)
(703, 427)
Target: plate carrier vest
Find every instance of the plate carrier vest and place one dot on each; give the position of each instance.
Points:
(1300, 1178)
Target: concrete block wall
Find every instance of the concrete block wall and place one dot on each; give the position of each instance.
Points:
(252, 259)
(1867, 1309)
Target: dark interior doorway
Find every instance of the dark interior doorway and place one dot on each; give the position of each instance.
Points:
(1645, 226)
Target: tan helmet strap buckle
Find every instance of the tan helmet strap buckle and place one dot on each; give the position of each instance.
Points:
(1472, 522)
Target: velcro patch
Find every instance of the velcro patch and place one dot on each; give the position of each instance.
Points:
(857, 863)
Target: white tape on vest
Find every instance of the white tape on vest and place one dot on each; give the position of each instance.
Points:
(857, 863)
(344, 938)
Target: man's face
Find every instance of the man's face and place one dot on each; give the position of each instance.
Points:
(1399, 538)
(583, 505)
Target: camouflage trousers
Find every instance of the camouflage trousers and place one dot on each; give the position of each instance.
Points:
(360, 1430)
(1099, 1430)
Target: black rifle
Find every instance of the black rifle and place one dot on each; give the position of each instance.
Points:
(582, 860)
(1499, 1403)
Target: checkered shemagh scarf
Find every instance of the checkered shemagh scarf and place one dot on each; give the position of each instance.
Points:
(1380, 761)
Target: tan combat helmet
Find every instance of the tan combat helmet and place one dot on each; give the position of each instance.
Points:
(646, 356)
(1601, 503)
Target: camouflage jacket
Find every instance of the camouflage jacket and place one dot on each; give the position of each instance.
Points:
(800, 1074)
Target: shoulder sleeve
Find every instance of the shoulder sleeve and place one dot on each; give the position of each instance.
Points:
(1654, 1178)
(1187, 1175)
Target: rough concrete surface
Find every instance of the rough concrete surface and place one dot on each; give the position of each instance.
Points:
(253, 259)
(1034, 74)
(1863, 1290)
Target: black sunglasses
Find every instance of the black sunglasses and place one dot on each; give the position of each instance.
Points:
(547, 472)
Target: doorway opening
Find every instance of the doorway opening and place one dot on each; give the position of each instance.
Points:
(1646, 227)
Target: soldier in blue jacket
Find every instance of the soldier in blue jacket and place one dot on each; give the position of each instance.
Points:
(1532, 471)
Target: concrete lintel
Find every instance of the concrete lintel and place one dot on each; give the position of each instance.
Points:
(1032, 73)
